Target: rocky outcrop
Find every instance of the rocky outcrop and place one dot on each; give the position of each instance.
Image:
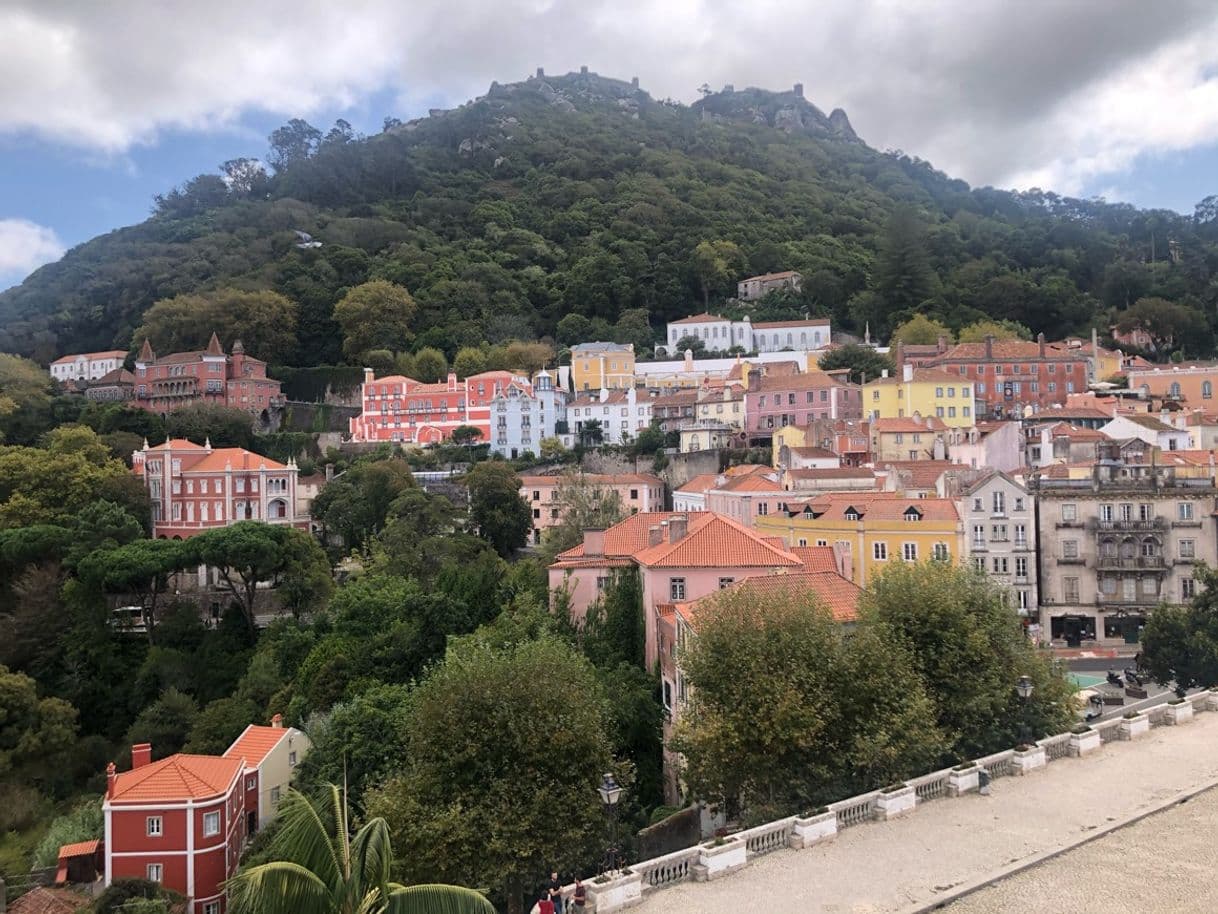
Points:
(787, 111)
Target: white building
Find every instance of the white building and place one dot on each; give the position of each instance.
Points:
(997, 445)
(1000, 536)
(87, 366)
(1148, 428)
(618, 414)
(719, 334)
(520, 418)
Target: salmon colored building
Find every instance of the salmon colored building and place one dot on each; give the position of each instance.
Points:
(180, 379)
(679, 558)
(197, 487)
(406, 411)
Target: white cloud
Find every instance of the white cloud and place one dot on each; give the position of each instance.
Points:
(25, 246)
(1056, 94)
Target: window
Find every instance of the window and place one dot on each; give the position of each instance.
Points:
(667, 695)
(940, 552)
(1021, 534)
(1000, 503)
(1069, 514)
(1207, 390)
(212, 907)
(1106, 514)
(1069, 549)
(851, 514)
(951, 412)
(1070, 590)
(1188, 549)
(1000, 565)
(726, 582)
(154, 872)
(291, 759)
(1185, 510)
(880, 551)
(977, 505)
(1021, 567)
(909, 552)
(938, 391)
(1188, 588)
(251, 782)
(536, 513)
(978, 536)
(1018, 504)
(763, 508)
(154, 826)
(1021, 597)
(676, 589)
(1126, 513)
(998, 533)
(211, 824)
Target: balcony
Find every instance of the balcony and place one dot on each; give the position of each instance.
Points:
(1072, 560)
(1150, 525)
(1113, 601)
(1137, 563)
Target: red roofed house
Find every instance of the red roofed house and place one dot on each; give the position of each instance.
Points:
(87, 366)
(908, 438)
(679, 557)
(182, 821)
(772, 402)
(197, 487)
(179, 822)
(208, 376)
(745, 497)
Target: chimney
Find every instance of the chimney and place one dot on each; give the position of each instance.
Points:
(655, 535)
(111, 777)
(541, 73)
(277, 721)
(754, 378)
(907, 372)
(583, 71)
(799, 90)
(141, 755)
(941, 344)
(677, 527)
(594, 542)
(369, 376)
(1040, 341)
(634, 82)
(989, 346)
(898, 356)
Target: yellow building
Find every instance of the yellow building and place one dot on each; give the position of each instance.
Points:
(602, 365)
(789, 436)
(925, 391)
(874, 528)
(726, 406)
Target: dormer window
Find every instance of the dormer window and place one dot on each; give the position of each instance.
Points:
(852, 514)
(912, 514)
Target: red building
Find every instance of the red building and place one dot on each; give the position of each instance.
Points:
(195, 488)
(182, 821)
(401, 409)
(179, 822)
(1011, 375)
(182, 378)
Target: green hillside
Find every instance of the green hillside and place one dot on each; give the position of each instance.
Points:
(580, 194)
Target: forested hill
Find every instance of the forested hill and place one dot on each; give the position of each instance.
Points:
(581, 194)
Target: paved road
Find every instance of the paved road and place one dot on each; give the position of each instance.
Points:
(891, 867)
(1099, 666)
(1161, 865)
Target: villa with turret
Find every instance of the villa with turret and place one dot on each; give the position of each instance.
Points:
(168, 382)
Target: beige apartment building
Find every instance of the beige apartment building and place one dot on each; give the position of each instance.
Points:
(1118, 543)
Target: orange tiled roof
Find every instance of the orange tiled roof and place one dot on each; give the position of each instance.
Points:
(1075, 433)
(1149, 422)
(923, 376)
(699, 319)
(816, 558)
(812, 452)
(782, 274)
(624, 539)
(881, 506)
(779, 325)
(833, 473)
(752, 482)
(1006, 349)
(107, 354)
(700, 483)
(44, 900)
(713, 540)
(79, 849)
(255, 743)
(240, 459)
(179, 777)
(806, 381)
(922, 474)
(839, 596)
(177, 444)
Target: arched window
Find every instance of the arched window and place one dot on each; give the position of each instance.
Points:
(1108, 548)
(1150, 547)
(1174, 390)
(1207, 390)
(277, 509)
(1129, 548)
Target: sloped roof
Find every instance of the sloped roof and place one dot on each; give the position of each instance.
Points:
(700, 483)
(177, 444)
(599, 479)
(117, 376)
(1008, 349)
(816, 558)
(924, 376)
(238, 457)
(752, 482)
(174, 779)
(813, 453)
(713, 540)
(922, 474)
(79, 849)
(45, 900)
(702, 318)
(833, 473)
(1076, 433)
(882, 506)
(107, 354)
(806, 381)
(1149, 422)
(838, 595)
(779, 325)
(624, 539)
(255, 743)
(782, 274)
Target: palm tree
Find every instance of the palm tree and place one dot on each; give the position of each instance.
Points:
(321, 869)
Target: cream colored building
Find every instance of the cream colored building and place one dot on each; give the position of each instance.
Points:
(271, 756)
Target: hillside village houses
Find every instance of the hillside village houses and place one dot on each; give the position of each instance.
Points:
(720, 334)
(600, 366)
(636, 492)
(87, 366)
(607, 417)
(756, 287)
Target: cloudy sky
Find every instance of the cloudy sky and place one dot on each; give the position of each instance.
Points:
(101, 109)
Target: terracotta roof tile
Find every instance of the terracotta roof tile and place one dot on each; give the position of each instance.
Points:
(924, 376)
(779, 325)
(920, 474)
(908, 424)
(782, 274)
(238, 457)
(713, 540)
(839, 596)
(79, 849)
(701, 483)
(808, 381)
(107, 354)
(702, 318)
(881, 506)
(179, 777)
(817, 453)
(753, 482)
(255, 743)
(833, 473)
(44, 900)
(816, 558)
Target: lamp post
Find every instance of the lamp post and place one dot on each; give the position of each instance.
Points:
(1024, 688)
(610, 793)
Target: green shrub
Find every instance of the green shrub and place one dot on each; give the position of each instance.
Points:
(83, 823)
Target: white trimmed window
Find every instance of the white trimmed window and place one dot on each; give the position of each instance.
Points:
(154, 872)
(154, 827)
(909, 552)
(211, 824)
(880, 551)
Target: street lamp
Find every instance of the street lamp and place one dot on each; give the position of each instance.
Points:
(610, 792)
(1023, 688)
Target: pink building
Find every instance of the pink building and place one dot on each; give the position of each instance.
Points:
(401, 409)
(183, 378)
(746, 497)
(772, 402)
(639, 492)
(679, 558)
(195, 488)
